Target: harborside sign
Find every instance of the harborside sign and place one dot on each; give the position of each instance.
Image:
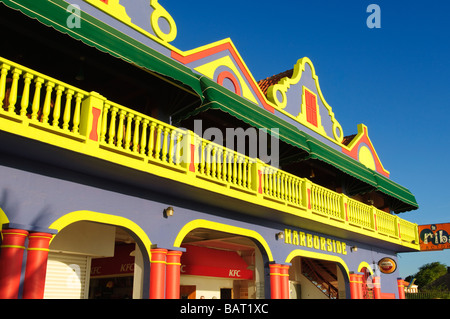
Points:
(434, 237)
(315, 241)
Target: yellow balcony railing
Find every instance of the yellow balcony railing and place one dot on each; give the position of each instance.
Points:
(27, 95)
(39, 107)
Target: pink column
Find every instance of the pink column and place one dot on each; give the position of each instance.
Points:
(275, 282)
(173, 266)
(284, 281)
(158, 273)
(376, 288)
(36, 266)
(356, 286)
(401, 288)
(11, 259)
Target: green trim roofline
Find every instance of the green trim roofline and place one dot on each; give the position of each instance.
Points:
(211, 95)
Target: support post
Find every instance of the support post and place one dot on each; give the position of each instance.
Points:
(376, 287)
(275, 282)
(158, 273)
(355, 286)
(173, 274)
(284, 281)
(11, 259)
(401, 288)
(36, 266)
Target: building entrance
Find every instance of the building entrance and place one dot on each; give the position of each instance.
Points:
(315, 279)
(221, 265)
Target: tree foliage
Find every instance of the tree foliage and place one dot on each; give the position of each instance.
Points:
(428, 273)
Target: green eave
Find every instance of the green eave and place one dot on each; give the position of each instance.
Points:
(220, 98)
(107, 39)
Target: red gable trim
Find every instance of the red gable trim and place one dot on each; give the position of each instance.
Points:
(363, 138)
(223, 47)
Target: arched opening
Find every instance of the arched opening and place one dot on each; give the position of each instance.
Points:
(90, 258)
(317, 276)
(223, 262)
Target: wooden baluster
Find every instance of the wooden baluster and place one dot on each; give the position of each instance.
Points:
(57, 107)
(47, 102)
(128, 134)
(120, 128)
(224, 165)
(3, 74)
(144, 136)
(295, 183)
(235, 168)
(239, 170)
(179, 137)
(112, 126)
(25, 94)
(77, 113)
(266, 181)
(67, 109)
(202, 156)
(220, 163)
(151, 140)
(230, 160)
(13, 93)
(249, 173)
(165, 144)
(158, 141)
(244, 172)
(137, 135)
(104, 127)
(213, 161)
(171, 146)
(37, 98)
(208, 160)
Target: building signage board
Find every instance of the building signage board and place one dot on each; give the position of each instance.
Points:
(434, 237)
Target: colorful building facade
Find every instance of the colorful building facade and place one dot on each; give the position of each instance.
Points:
(132, 169)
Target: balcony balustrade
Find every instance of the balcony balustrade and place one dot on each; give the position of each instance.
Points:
(39, 107)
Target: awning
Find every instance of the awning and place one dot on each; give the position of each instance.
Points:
(219, 98)
(107, 39)
(209, 262)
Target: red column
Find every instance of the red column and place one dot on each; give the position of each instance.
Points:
(401, 288)
(284, 281)
(36, 267)
(356, 286)
(173, 274)
(275, 282)
(376, 288)
(158, 273)
(11, 257)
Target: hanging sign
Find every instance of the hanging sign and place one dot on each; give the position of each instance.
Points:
(434, 237)
(387, 265)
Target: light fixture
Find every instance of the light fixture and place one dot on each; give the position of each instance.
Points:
(354, 249)
(279, 235)
(168, 211)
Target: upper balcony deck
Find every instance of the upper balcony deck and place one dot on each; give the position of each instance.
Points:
(42, 109)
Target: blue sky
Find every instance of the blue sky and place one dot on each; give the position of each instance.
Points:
(394, 79)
